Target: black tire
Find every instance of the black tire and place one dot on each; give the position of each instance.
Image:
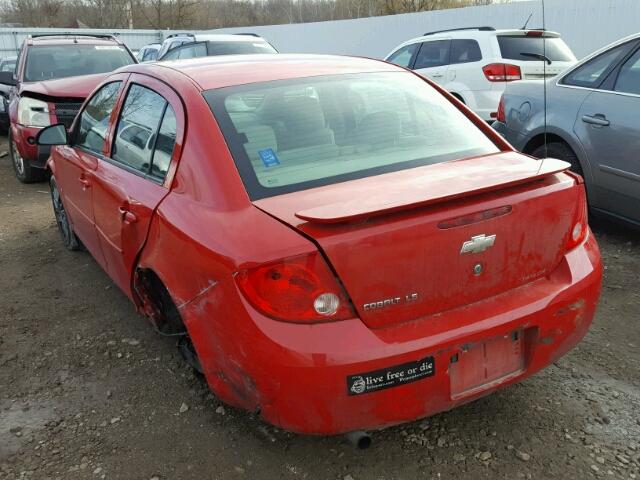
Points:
(25, 173)
(69, 239)
(189, 354)
(561, 151)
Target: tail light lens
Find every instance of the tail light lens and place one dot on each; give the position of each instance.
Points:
(502, 72)
(580, 226)
(298, 289)
(501, 115)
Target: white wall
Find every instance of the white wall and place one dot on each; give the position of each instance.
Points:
(586, 26)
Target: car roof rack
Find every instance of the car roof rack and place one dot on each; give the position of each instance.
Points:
(248, 34)
(105, 36)
(481, 29)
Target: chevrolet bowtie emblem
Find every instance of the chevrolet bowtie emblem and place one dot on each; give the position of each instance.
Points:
(478, 244)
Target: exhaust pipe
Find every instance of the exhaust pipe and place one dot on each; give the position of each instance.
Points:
(359, 439)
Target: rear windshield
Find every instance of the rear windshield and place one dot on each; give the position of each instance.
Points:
(60, 61)
(295, 134)
(239, 48)
(554, 48)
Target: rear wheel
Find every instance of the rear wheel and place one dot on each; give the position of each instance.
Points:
(69, 239)
(561, 151)
(25, 173)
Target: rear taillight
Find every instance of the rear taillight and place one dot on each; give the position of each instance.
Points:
(502, 72)
(580, 226)
(299, 289)
(501, 116)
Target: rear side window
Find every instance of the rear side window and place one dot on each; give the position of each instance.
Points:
(187, 51)
(592, 73)
(403, 56)
(433, 54)
(629, 77)
(94, 119)
(239, 48)
(137, 136)
(513, 47)
(290, 135)
(465, 51)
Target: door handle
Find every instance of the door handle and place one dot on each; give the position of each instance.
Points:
(597, 119)
(437, 75)
(85, 183)
(126, 216)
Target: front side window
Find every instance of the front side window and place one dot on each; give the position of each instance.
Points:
(49, 62)
(433, 54)
(146, 132)
(592, 73)
(465, 51)
(94, 119)
(629, 77)
(404, 56)
(291, 135)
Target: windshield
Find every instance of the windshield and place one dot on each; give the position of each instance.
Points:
(513, 47)
(61, 61)
(291, 135)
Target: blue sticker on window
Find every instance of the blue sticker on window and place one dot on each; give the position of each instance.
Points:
(269, 157)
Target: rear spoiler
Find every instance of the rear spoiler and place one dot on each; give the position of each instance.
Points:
(434, 184)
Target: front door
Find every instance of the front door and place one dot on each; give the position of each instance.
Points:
(607, 125)
(132, 179)
(75, 165)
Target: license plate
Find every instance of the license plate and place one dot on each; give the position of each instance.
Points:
(477, 366)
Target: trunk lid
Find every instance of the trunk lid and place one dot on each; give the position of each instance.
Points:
(421, 241)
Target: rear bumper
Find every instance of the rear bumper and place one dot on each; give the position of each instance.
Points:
(483, 102)
(296, 375)
(25, 139)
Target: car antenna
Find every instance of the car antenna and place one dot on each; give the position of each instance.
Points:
(527, 22)
(544, 78)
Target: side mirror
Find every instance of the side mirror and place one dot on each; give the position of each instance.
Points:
(52, 135)
(6, 78)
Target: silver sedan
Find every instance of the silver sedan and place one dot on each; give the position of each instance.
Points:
(593, 122)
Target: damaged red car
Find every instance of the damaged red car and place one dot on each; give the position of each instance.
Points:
(341, 244)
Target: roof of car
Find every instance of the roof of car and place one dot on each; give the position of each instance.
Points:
(227, 70)
(472, 33)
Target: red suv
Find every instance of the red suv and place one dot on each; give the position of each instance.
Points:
(53, 76)
(341, 244)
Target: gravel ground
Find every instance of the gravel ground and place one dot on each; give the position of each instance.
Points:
(88, 391)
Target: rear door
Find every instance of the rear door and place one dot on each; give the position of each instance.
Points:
(135, 175)
(75, 165)
(432, 60)
(607, 125)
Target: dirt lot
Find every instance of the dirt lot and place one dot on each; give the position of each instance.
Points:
(87, 390)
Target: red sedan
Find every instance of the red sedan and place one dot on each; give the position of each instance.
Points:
(341, 244)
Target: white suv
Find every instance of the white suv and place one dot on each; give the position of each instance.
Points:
(474, 64)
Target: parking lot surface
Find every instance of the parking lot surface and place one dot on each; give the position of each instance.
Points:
(88, 390)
